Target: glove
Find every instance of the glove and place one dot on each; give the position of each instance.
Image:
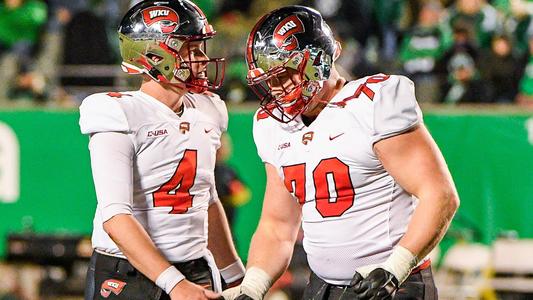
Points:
(231, 293)
(253, 287)
(379, 284)
(235, 293)
(381, 281)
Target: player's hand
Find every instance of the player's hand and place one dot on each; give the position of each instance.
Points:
(186, 290)
(379, 284)
(236, 293)
(254, 286)
(231, 293)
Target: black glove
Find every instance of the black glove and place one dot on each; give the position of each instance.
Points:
(379, 284)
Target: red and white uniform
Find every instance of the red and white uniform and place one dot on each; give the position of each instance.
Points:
(158, 166)
(353, 210)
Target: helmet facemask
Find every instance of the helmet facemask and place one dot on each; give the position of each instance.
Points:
(286, 90)
(193, 68)
(289, 57)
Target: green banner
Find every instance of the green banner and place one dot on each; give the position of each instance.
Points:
(46, 184)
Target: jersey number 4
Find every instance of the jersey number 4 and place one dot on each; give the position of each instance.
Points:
(175, 192)
(330, 170)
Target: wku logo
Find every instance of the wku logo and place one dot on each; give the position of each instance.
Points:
(166, 18)
(111, 286)
(284, 33)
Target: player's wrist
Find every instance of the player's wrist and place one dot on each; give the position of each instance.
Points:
(233, 272)
(169, 278)
(400, 263)
(256, 283)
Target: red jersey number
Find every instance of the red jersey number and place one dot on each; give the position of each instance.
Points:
(175, 192)
(330, 170)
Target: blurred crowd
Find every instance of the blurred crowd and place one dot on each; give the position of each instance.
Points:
(55, 52)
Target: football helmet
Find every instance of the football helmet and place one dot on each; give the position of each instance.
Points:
(290, 54)
(151, 35)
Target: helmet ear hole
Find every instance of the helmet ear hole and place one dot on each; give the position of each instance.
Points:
(156, 59)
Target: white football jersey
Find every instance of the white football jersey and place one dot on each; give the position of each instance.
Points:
(174, 159)
(353, 211)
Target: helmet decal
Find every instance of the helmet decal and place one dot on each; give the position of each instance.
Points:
(284, 33)
(165, 17)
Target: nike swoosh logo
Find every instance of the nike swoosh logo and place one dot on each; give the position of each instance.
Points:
(331, 138)
(207, 130)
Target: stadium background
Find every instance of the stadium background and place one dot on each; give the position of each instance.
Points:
(47, 197)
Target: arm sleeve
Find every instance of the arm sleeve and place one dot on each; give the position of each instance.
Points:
(111, 162)
(395, 109)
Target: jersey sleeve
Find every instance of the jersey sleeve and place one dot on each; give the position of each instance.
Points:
(112, 167)
(261, 136)
(101, 113)
(211, 105)
(223, 113)
(214, 194)
(395, 109)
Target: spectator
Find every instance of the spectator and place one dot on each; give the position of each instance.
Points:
(85, 44)
(525, 96)
(478, 17)
(20, 28)
(387, 14)
(60, 13)
(462, 44)
(464, 83)
(499, 70)
(422, 48)
(521, 17)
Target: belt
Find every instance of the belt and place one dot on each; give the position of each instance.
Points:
(421, 267)
(124, 266)
(426, 264)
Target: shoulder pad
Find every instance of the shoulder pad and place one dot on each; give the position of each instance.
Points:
(212, 105)
(395, 109)
(101, 113)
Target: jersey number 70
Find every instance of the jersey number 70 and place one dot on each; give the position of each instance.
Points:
(175, 192)
(339, 175)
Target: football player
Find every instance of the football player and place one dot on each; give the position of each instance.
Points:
(153, 158)
(351, 162)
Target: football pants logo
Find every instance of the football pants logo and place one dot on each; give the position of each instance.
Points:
(167, 19)
(284, 33)
(112, 286)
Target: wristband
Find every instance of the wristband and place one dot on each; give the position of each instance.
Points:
(233, 272)
(256, 283)
(400, 263)
(168, 279)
